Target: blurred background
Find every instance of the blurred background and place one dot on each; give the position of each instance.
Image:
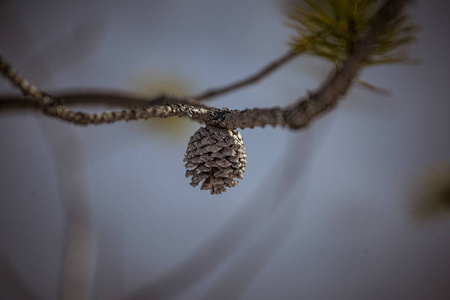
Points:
(357, 206)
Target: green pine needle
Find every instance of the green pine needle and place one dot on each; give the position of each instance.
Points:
(331, 28)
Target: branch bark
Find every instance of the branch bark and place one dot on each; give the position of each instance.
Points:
(295, 116)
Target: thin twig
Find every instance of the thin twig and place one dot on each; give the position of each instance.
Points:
(100, 97)
(248, 222)
(267, 70)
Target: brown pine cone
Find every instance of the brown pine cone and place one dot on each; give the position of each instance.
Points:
(216, 155)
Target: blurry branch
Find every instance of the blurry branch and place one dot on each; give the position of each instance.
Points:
(267, 70)
(276, 220)
(99, 97)
(432, 193)
(12, 282)
(295, 116)
(265, 206)
(78, 259)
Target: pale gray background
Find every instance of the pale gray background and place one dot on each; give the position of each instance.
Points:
(323, 213)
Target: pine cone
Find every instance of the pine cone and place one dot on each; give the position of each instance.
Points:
(216, 155)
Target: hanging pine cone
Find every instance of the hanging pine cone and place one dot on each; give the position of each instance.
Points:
(216, 155)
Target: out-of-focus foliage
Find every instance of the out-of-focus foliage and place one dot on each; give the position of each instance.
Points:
(330, 29)
(153, 86)
(433, 196)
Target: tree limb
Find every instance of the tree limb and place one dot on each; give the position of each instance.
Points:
(301, 113)
(100, 97)
(295, 116)
(29, 91)
(267, 70)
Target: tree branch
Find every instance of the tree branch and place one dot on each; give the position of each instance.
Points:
(267, 70)
(295, 116)
(156, 111)
(29, 91)
(119, 98)
(100, 97)
(301, 113)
